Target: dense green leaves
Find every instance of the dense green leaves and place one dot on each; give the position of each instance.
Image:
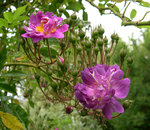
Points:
(133, 13)
(19, 11)
(3, 22)
(20, 113)
(3, 56)
(8, 16)
(85, 16)
(8, 88)
(75, 6)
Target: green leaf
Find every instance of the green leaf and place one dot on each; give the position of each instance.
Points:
(114, 7)
(31, 103)
(85, 16)
(143, 27)
(75, 6)
(20, 113)
(14, 73)
(8, 88)
(8, 16)
(11, 121)
(66, 13)
(3, 56)
(21, 18)
(53, 41)
(19, 11)
(3, 22)
(101, 5)
(44, 52)
(145, 4)
(133, 13)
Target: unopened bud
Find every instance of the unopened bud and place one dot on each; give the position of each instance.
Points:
(122, 53)
(68, 110)
(113, 36)
(129, 61)
(88, 45)
(61, 59)
(73, 16)
(73, 39)
(127, 103)
(108, 57)
(96, 51)
(82, 34)
(80, 25)
(61, 9)
(100, 42)
(106, 50)
(105, 40)
(100, 30)
(79, 50)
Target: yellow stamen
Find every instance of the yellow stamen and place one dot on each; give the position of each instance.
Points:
(53, 29)
(40, 28)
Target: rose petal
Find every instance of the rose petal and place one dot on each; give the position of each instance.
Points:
(63, 28)
(36, 39)
(122, 89)
(49, 14)
(112, 106)
(38, 15)
(118, 75)
(56, 34)
(26, 35)
(87, 77)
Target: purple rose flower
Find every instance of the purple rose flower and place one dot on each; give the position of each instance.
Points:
(102, 86)
(45, 26)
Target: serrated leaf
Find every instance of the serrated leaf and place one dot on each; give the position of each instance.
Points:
(8, 88)
(21, 18)
(11, 121)
(3, 56)
(44, 52)
(75, 6)
(85, 16)
(8, 16)
(19, 11)
(3, 22)
(133, 13)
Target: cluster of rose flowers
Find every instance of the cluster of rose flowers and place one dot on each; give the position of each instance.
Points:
(101, 86)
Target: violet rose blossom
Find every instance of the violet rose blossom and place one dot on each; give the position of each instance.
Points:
(45, 26)
(102, 86)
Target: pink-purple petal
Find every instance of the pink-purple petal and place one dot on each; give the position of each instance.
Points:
(122, 89)
(112, 106)
(87, 77)
(63, 28)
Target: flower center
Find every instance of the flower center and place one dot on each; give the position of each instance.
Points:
(40, 28)
(53, 29)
